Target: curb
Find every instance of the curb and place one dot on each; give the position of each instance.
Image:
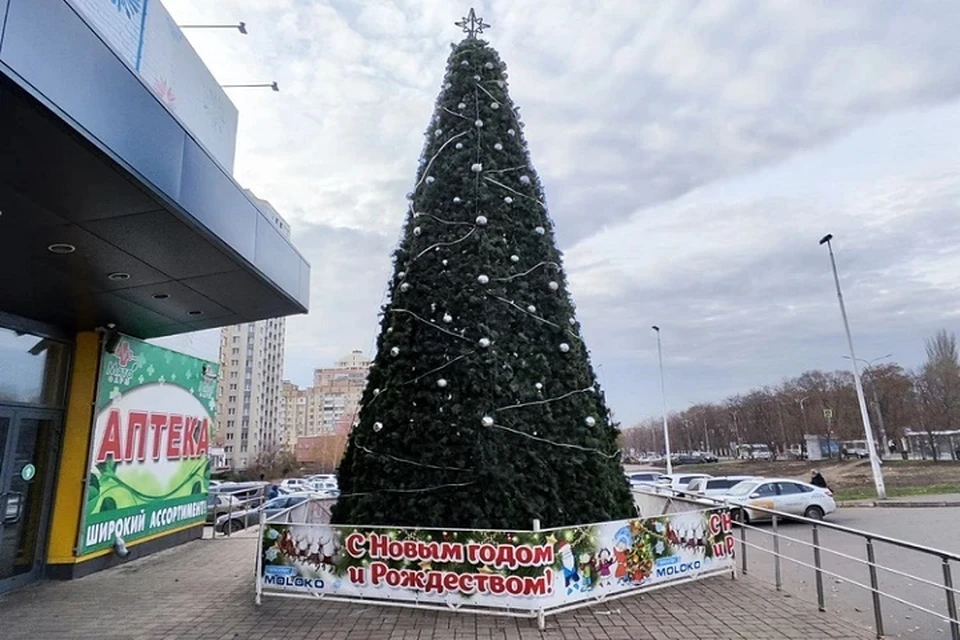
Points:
(940, 504)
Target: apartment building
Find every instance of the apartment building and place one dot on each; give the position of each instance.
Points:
(251, 409)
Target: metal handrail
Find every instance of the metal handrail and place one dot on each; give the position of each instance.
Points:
(905, 544)
(847, 556)
(945, 557)
(859, 584)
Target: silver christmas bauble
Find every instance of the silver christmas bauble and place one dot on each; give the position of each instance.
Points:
(484, 342)
(417, 231)
(444, 263)
(405, 287)
(524, 179)
(489, 65)
(494, 105)
(459, 145)
(572, 321)
(511, 132)
(539, 231)
(553, 286)
(377, 427)
(464, 63)
(401, 275)
(564, 347)
(478, 122)
(481, 221)
(395, 351)
(441, 383)
(461, 106)
(476, 167)
(376, 392)
(498, 147)
(508, 200)
(482, 279)
(487, 421)
(431, 179)
(539, 386)
(457, 200)
(514, 258)
(438, 132)
(447, 318)
(591, 421)
(532, 309)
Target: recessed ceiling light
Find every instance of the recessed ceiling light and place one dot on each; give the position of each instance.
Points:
(119, 275)
(195, 313)
(62, 248)
(161, 296)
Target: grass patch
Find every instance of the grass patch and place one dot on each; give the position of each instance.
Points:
(868, 492)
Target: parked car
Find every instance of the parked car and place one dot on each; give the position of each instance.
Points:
(219, 504)
(707, 458)
(643, 479)
(714, 487)
(251, 517)
(677, 482)
(791, 497)
(244, 491)
(294, 485)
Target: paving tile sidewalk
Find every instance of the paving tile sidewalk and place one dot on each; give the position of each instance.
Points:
(204, 589)
(918, 502)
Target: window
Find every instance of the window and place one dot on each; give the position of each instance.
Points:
(234, 362)
(230, 424)
(229, 435)
(767, 490)
(790, 488)
(236, 351)
(233, 386)
(232, 399)
(231, 411)
(236, 339)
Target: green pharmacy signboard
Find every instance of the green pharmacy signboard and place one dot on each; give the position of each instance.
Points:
(149, 469)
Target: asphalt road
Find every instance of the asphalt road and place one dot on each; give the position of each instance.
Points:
(934, 527)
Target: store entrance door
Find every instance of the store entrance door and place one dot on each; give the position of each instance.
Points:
(27, 456)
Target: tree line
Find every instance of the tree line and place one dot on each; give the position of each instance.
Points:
(824, 403)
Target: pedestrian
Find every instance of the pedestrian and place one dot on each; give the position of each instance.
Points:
(818, 480)
(271, 490)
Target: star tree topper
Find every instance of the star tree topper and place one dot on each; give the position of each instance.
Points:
(472, 25)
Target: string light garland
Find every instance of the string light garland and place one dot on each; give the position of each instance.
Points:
(528, 271)
(545, 400)
(413, 463)
(430, 324)
(554, 443)
(450, 222)
(426, 171)
(450, 485)
(443, 244)
(438, 369)
(514, 191)
(454, 113)
(507, 170)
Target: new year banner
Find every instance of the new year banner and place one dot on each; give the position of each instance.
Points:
(495, 569)
(149, 469)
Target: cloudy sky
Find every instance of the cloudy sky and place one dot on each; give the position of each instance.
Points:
(693, 154)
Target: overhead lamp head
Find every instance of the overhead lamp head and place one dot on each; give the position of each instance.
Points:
(655, 328)
(111, 340)
(275, 86)
(242, 27)
(827, 238)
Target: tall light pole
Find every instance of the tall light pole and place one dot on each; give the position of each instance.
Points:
(803, 424)
(874, 458)
(663, 396)
(260, 85)
(241, 27)
(876, 399)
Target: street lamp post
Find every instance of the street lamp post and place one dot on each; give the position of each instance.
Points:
(241, 27)
(874, 458)
(876, 399)
(264, 85)
(803, 423)
(663, 397)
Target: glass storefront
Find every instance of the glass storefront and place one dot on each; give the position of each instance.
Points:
(33, 384)
(33, 370)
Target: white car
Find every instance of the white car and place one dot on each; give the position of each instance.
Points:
(787, 496)
(643, 479)
(677, 482)
(715, 487)
(295, 485)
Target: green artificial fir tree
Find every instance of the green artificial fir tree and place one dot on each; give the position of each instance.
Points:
(481, 408)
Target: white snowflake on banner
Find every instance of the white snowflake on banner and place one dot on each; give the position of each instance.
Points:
(150, 371)
(162, 380)
(115, 394)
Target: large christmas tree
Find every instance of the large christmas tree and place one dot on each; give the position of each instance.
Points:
(481, 409)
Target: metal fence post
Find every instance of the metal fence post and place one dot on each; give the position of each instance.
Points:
(743, 548)
(816, 563)
(951, 600)
(778, 581)
(541, 617)
(877, 613)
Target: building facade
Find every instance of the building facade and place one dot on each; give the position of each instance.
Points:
(121, 223)
(330, 406)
